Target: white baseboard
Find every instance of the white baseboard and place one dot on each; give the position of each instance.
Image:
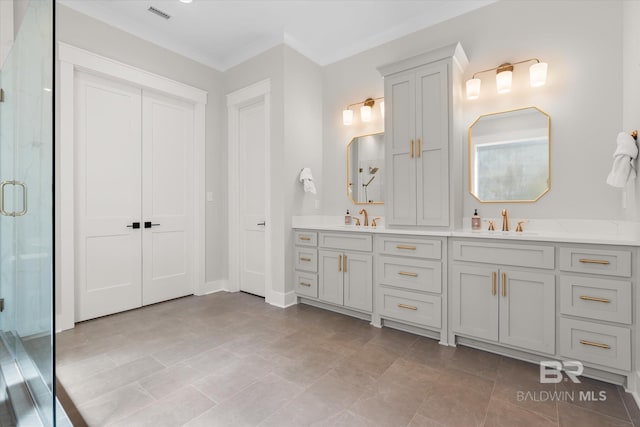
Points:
(283, 300)
(213, 287)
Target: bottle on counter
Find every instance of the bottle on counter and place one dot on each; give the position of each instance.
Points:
(347, 218)
(476, 223)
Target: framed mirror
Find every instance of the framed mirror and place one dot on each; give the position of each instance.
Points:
(509, 156)
(365, 174)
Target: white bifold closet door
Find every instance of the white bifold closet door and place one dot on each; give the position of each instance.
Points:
(134, 156)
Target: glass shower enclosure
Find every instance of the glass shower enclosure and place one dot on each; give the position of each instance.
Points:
(26, 222)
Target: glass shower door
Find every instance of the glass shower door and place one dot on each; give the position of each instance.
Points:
(26, 220)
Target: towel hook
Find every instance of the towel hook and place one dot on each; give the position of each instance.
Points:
(634, 134)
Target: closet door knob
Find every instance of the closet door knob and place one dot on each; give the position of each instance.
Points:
(148, 224)
(262, 223)
(134, 225)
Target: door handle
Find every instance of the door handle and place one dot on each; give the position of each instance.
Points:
(262, 223)
(20, 184)
(134, 225)
(148, 224)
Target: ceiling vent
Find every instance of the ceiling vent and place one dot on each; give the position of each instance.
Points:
(159, 12)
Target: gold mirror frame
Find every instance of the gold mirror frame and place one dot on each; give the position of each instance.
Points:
(377, 168)
(470, 158)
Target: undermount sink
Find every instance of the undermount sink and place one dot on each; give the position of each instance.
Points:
(506, 233)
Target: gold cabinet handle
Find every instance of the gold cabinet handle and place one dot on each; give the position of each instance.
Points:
(411, 149)
(594, 344)
(588, 298)
(344, 265)
(305, 238)
(406, 273)
(408, 307)
(493, 282)
(593, 261)
(504, 284)
(407, 247)
(305, 259)
(308, 285)
(419, 149)
(339, 262)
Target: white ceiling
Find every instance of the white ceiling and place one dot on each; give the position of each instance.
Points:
(224, 33)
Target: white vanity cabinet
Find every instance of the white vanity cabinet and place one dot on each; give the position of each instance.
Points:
(493, 298)
(306, 263)
(596, 305)
(410, 279)
(420, 93)
(344, 269)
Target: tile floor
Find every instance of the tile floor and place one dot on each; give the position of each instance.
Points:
(231, 360)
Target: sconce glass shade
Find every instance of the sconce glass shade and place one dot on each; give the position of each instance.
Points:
(347, 117)
(503, 81)
(538, 74)
(382, 108)
(365, 113)
(473, 88)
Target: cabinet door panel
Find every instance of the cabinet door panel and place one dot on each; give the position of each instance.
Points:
(399, 151)
(527, 310)
(475, 307)
(330, 288)
(358, 281)
(432, 131)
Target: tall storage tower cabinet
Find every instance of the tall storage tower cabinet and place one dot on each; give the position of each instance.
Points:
(422, 97)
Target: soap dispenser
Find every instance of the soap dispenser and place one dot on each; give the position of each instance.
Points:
(347, 218)
(476, 224)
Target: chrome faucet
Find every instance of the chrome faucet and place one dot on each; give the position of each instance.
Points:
(505, 220)
(366, 217)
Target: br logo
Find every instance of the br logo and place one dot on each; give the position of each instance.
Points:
(551, 371)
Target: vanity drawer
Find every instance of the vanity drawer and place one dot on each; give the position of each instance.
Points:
(346, 241)
(412, 274)
(306, 238)
(306, 284)
(604, 345)
(504, 254)
(596, 298)
(306, 259)
(406, 247)
(420, 309)
(596, 261)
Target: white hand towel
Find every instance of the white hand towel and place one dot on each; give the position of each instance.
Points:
(622, 170)
(307, 179)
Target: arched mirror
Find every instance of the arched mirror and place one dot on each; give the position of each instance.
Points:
(509, 156)
(365, 174)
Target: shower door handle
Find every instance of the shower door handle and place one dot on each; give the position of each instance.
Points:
(20, 184)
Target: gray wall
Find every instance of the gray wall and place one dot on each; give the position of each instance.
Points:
(583, 95)
(87, 33)
(296, 141)
(630, 96)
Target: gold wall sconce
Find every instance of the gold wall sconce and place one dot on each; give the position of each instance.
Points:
(365, 110)
(504, 74)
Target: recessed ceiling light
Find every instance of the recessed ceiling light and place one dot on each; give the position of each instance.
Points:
(186, 1)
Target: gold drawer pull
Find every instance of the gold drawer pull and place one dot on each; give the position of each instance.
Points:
(593, 261)
(493, 282)
(588, 298)
(406, 273)
(305, 259)
(594, 344)
(305, 238)
(410, 248)
(408, 307)
(305, 284)
(504, 284)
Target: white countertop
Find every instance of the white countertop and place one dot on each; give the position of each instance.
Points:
(570, 231)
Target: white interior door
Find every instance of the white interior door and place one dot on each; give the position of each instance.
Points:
(167, 191)
(252, 153)
(108, 158)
